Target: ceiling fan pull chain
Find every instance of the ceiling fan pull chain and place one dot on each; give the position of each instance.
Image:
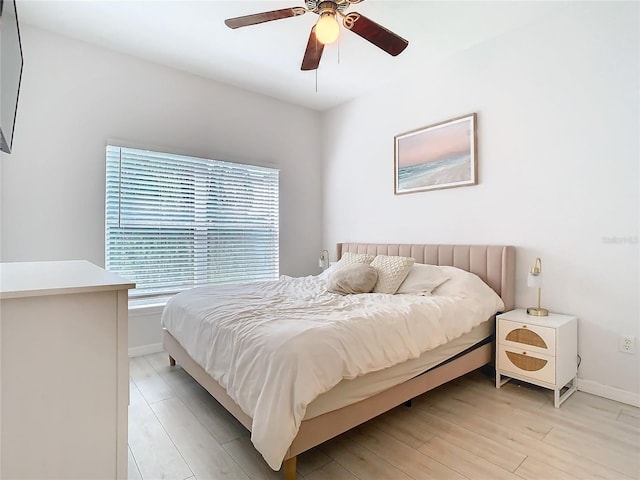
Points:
(316, 80)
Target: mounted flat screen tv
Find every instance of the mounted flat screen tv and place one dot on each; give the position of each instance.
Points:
(10, 71)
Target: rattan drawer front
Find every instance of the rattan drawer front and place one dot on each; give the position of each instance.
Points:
(531, 337)
(527, 363)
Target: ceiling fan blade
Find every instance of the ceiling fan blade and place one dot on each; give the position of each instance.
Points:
(378, 35)
(313, 53)
(257, 18)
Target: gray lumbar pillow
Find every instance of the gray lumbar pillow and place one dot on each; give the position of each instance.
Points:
(354, 278)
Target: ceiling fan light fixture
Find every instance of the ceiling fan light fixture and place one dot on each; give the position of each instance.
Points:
(327, 28)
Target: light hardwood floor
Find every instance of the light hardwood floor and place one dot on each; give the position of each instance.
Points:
(466, 429)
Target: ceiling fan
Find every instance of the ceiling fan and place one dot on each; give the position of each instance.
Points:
(326, 30)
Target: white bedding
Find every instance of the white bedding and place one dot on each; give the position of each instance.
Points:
(276, 346)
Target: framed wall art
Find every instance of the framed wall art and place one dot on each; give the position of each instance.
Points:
(443, 155)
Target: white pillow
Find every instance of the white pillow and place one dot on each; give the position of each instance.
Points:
(422, 279)
(354, 278)
(392, 271)
(466, 284)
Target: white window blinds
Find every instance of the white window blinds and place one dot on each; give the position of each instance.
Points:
(176, 222)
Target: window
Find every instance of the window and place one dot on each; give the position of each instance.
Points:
(176, 222)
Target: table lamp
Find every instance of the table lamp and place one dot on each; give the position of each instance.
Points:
(323, 261)
(534, 279)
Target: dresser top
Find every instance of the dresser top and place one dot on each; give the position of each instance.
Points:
(553, 320)
(28, 279)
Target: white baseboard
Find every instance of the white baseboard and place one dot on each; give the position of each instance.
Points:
(145, 349)
(611, 393)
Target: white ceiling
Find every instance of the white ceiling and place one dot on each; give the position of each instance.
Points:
(191, 36)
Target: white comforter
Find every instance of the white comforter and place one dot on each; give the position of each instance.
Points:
(276, 346)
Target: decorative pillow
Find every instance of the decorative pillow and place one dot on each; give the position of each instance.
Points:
(354, 278)
(349, 258)
(422, 279)
(392, 271)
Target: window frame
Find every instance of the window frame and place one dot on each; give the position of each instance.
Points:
(229, 207)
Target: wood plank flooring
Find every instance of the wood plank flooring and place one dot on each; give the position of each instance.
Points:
(466, 429)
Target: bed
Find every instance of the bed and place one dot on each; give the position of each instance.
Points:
(358, 397)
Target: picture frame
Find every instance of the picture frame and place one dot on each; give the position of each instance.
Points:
(442, 155)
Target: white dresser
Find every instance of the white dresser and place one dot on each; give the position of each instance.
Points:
(64, 388)
(538, 350)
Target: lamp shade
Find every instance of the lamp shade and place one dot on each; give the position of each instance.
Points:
(534, 280)
(327, 28)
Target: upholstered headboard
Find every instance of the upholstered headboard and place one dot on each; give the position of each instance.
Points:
(495, 264)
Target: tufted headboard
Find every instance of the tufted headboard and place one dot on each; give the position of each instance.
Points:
(495, 264)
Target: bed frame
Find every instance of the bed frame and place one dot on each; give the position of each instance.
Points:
(493, 264)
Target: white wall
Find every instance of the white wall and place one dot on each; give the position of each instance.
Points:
(558, 124)
(76, 97)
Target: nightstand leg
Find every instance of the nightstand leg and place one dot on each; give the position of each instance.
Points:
(501, 381)
(559, 399)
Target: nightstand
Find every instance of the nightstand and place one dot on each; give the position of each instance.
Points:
(538, 350)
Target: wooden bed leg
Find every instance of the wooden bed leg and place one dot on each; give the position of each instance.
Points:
(289, 468)
(172, 361)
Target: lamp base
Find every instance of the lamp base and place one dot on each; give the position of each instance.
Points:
(537, 312)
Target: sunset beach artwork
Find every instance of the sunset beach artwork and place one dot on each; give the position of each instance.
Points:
(443, 155)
